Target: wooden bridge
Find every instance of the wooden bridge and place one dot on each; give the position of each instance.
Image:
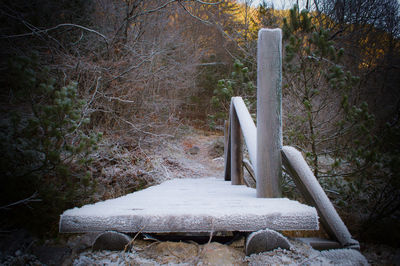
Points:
(213, 205)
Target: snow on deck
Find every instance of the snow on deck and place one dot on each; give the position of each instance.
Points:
(190, 205)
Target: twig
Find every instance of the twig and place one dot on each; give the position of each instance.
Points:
(156, 9)
(151, 10)
(166, 171)
(211, 232)
(224, 33)
(211, 64)
(133, 240)
(54, 28)
(310, 259)
(211, 236)
(194, 16)
(173, 253)
(32, 198)
(208, 3)
(86, 108)
(145, 132)
(110, 98)
(128, 70)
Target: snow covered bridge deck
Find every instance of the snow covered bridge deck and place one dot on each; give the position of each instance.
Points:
(191, 205)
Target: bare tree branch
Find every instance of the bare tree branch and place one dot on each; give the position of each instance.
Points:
(32, 198)
(208, 3)
(145, 132)
(129, 69)
(192, 15)
(54, 28)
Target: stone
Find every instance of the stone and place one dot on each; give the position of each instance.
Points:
(265, 240)
(218, 254)
(111, 240)
(345, 257)
(194, 150)
(173, 252)
(52, 255)
(193, 254)
(79, 243)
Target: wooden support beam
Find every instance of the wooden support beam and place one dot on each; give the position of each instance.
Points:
(250, 169)
(314, 195)
(319, 243)
(269, 121)
(250, 179)
(236, 149)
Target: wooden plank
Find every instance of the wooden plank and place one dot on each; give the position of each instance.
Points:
(248, 127)
(190, 205)
(227, 151)
(269, 122)
(236, 150)
(314, 195)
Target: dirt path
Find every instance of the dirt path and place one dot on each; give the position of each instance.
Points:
(193, 156)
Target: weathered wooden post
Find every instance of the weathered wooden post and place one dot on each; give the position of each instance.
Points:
(236, 149)
(269, 105)
(227, 151)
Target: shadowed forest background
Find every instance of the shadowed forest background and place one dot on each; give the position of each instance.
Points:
(91, 84)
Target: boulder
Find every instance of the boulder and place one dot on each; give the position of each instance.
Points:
(111, 240)
(265, 240)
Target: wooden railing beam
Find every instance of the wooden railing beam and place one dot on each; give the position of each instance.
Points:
(248, 127)
(314, 195)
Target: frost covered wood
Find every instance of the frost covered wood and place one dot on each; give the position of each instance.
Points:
(241, 126)
(191, 205)
(236, 148)
(269, 105)
(314, 194)
(248, 127)
(227, 151)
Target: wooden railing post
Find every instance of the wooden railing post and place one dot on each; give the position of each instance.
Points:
(227, 150)
(269, 105)
(236, 149)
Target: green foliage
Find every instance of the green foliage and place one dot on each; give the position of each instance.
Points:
(337, 134)
(239, 84)
(265, 17)
(44, 146)
(326, 118)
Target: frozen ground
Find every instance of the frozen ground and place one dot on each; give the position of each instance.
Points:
(172, 253)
